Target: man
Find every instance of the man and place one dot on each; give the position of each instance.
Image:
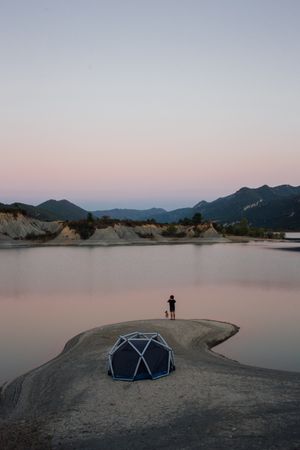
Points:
(172, 302)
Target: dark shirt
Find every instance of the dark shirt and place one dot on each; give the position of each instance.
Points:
(172, 302)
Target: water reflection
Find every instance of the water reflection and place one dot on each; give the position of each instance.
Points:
(49, 294)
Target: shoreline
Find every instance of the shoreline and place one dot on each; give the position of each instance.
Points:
(93, 243)
(87, 243)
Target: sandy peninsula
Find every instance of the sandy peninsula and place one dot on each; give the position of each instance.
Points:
(209, 402)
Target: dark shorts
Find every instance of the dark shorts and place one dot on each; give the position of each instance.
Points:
(172, 308)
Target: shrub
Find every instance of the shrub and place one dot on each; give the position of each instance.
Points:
(90, 217)
(84, 228)
(186, 221)
(197, 232)
(47, 236)
(145, 235)
(197, 219)
(243, 229)
(14, 211)
(171, 231)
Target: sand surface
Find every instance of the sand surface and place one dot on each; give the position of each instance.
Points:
(209, 402)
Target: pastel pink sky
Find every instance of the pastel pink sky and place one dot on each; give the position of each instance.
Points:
(152, 104)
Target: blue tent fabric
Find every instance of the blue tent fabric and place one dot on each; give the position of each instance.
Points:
(139, 356)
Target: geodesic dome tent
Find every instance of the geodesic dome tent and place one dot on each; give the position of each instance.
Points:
(139, 356)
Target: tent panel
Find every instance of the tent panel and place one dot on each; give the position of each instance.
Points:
(139, 344)
(157, 358)
(142, 372)
(124, 361)
(117, 345)
(146, 364)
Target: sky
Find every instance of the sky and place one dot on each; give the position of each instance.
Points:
(138, 103)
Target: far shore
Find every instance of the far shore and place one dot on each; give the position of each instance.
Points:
(10, 244)
(22, 231)
(102, 243)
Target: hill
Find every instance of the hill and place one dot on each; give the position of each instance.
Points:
(63, 210)
(29, 210)
(17, 226)
(49, 210)
(271, 207)
(274, 207)
(133, 214)
(281, 214)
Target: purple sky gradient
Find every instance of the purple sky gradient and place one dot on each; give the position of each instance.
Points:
(143, 103)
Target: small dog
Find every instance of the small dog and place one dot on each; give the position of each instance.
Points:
(166, 314)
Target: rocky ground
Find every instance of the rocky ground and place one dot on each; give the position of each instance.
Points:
(17, 227)
(209, 402)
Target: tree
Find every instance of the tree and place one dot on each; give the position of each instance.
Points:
(197, 219)
(90, 217)
(244, 227)
(170, 231)
(186, 221)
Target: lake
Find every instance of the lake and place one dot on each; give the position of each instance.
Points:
(47, 295)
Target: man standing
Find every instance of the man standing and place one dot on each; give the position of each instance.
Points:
(172, 302)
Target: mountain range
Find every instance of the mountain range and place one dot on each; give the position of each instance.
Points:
(270, 207)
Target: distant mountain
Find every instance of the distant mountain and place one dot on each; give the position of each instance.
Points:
(30, 210)
(158, 214)
(271, 207)
(63, 210)
(274, 207)
(281, 214)
(259, 205)
(176, 215)
(133, 214)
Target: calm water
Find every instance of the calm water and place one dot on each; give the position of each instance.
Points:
(47, 295)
